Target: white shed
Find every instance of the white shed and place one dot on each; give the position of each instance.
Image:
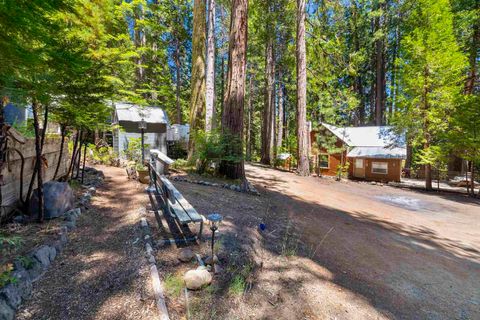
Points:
(128, 116)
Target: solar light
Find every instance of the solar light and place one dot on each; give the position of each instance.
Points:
(214, 219)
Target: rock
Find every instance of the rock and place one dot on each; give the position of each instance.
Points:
(11, 295)
(20, 219)
(6, 313)
(24, 284)
(36, 271)
(58, 198)
(92, 190)
(197, 278)
(70, 217)
(45, 255)
(75, 212)
(186, 255)
(70, 225)
(208, 260)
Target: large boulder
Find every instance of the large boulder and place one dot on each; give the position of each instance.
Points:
(6, 312)
(197, 278)
(58, 198)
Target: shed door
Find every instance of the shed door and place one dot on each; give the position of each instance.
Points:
(359, 170)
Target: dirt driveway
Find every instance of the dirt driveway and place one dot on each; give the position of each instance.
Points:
(408, 254)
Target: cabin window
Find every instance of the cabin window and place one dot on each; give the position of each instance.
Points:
(323, 161)
(380, 167)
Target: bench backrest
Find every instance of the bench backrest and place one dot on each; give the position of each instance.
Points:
(172, 194)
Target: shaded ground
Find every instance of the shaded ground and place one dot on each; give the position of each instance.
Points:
(102, 273)
(341, 251)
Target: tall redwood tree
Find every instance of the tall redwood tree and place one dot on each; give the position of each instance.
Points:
(232, 118)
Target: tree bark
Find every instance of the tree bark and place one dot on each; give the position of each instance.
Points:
(232, 120)
(210, 82)
(84, 160)
(248, 138)
(178, 80)
(268, 132)
(63, 130)
(379, 69)
(74, 154)
(280, 112)
(38, 162)
(197, 102)
(36, 106)
(302, 145)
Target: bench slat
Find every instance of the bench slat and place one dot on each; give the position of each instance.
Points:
(182, 216)
(192, 213)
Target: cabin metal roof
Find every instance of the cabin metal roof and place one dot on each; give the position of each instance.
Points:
(370, 142)
(134, 113)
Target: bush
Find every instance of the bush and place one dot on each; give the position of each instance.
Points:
(134, 149)
(102, 155)
(214, 147)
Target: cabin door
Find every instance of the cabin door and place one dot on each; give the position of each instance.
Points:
(359, 170)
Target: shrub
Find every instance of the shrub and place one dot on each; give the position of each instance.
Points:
(214, 147)
(134, 149)
(102, 155)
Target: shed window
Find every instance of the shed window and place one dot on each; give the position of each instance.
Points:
(323, 161)
(380, 167)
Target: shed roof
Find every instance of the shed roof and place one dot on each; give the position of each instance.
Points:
(378, 153)
(365, 136)
(134, 113)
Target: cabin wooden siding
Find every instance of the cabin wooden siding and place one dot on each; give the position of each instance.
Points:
(394, 170)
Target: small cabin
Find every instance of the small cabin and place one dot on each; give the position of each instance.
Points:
(128, 117)
(373, 153)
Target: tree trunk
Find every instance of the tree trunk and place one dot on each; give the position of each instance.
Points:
(63, 130)
(232, 120)
(379, 70)
(269, 106)
(74, 153)
(280, 112)
(84, 160)
(393, 84)
(197, 102)
(140, 42)
(426, 129)
(210, 82)
(178, 80)
(249, 120)
(42, 141)
(302, 147)
(473, 54)
(38, 162)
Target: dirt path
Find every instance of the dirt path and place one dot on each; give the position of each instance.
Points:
(102, 273)
(409, 254)
(390, 253)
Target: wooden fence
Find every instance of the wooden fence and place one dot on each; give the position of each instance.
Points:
(10, 186)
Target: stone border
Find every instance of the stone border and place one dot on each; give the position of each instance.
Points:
(232, 187)
(156, 283)
(12, 295)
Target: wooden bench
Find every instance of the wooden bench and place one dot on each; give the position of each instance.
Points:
(173, 201)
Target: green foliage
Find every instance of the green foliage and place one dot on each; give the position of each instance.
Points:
(103, 155)
(134, 150)
(179, 164)
(7, 244)
(431, 72)
(27, 262)
(173, 284)
(214, 147)
(25, 128)
(342, 170)
(6, 275)
(237, 285)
